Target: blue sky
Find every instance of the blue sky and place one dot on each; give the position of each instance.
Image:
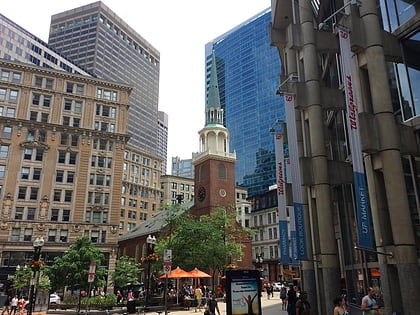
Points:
(179, 30)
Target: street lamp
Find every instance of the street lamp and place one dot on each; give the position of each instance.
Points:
(259, 261)
(38, 243)
(151, 242)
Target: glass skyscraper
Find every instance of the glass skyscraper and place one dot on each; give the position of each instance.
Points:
(94, 37)
(248, 71)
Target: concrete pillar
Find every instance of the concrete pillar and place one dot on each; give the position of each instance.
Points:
(324, 213)
(307, 267)
(403, 245)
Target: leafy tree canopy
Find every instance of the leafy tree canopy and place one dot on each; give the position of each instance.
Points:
(72, 268)
(126, 272)
(208, 243)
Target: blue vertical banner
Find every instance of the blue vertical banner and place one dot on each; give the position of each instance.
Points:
(298, 213)
(281, 198)
(360, 187)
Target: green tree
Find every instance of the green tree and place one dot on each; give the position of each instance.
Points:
(208, 243)
(22, 280)
(126, 272)
(71, 270)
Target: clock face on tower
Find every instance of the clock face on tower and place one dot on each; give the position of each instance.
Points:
(201, 193)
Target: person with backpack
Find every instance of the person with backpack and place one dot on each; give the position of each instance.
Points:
(302, 305)
(283, 294)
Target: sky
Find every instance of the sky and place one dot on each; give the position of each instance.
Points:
(179, 30)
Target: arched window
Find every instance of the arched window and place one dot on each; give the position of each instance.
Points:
(222, 171)
(202, 175)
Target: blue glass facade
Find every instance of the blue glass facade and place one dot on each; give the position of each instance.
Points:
(248, 70)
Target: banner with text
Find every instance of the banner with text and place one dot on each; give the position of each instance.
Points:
(281, 199)
(298, 215)
(360, 188)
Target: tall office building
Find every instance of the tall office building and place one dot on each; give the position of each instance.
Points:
(94, 37)
(162, 143)
(248, 69)
(355, 109)
(182, 167)
(18, 44)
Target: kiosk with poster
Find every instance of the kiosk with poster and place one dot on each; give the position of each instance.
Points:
(243, 289)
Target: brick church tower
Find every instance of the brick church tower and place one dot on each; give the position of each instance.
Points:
(214, 167)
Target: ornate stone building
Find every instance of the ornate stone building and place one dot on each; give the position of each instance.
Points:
(62, 145)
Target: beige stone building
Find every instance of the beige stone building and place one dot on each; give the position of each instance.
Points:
(62, 145)
(141, 188)
(172, 186)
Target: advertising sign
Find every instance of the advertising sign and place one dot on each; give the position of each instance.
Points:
(243, 289)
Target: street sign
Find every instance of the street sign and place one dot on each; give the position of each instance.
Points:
(91, 277)
(167, 255)
(167, 267)
(92, 268)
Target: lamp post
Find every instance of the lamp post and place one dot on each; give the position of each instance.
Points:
(259, 261)
(38, 243)
(151, 242)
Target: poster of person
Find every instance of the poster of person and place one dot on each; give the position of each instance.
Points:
(244, 298)
(243, 293)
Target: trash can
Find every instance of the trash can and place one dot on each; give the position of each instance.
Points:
(131, 307)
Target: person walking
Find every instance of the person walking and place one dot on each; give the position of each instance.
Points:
(291, 299)
(340, 306)
(283, 294)
(198, 295)
(212, 306)
(369, 306)
(14, 305)
(302, 305)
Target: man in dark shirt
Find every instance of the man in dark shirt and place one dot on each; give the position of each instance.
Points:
(291, 300)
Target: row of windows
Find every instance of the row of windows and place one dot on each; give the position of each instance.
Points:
(127, 39)
(130, 226)
(26, 235)
(132, 214)
(137, 158)
(98, 198)
(133, 203)
(54, 235)
(10, 76)
(271, 219)
(182, 187)
(9, 94)
(272, 234)
(135, 190)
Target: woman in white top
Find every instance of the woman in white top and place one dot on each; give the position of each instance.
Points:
(340, 306)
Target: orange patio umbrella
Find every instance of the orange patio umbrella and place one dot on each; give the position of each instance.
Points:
(177, 273)
(197, 273)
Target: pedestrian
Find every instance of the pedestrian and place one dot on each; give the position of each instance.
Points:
(21, 305)
(302, 305)
(283, 294)
(14, 304)
(340, 306)
(291, 300)
(212, 306)
(369, 306)
(268, 290)
(198, 295)
(119, 296)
